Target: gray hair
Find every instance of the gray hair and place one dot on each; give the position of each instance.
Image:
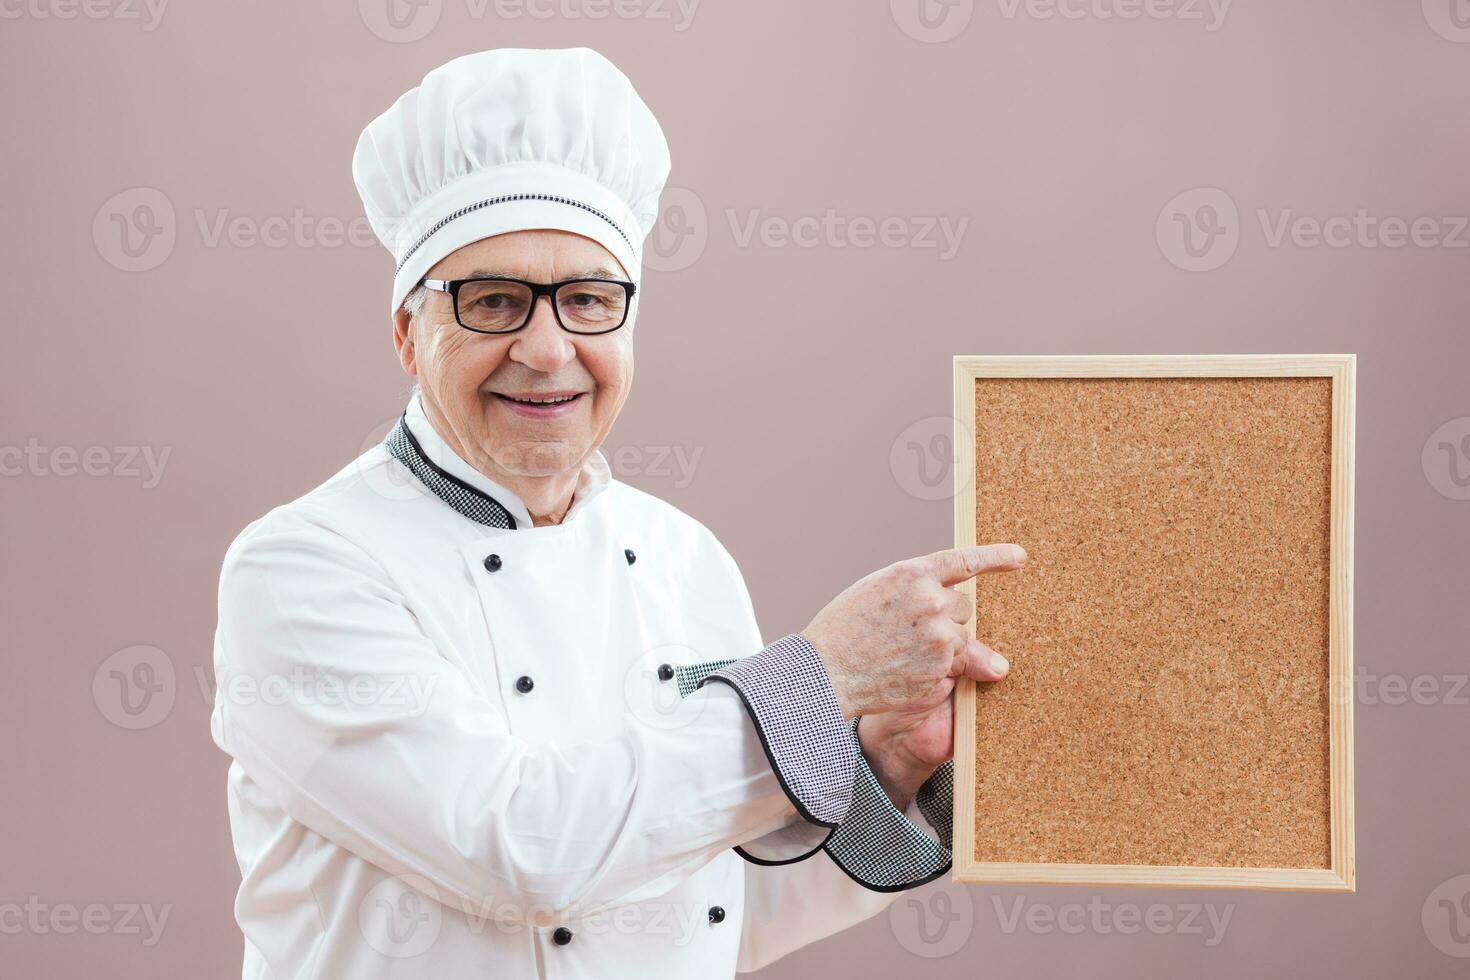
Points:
(413, 303)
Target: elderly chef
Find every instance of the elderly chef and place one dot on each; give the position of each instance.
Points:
(495, 714)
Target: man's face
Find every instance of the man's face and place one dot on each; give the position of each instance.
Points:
(480, 385)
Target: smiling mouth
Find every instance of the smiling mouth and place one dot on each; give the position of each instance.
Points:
(553, 399)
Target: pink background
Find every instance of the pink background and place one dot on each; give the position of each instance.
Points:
(794, 371)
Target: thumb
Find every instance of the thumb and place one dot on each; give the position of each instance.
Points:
(979, 663)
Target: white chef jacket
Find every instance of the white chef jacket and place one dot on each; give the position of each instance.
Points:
(456, 751)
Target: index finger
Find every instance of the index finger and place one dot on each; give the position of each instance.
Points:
(955, 565)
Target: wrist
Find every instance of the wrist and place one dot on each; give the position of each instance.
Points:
(835, 675)
(898, 771)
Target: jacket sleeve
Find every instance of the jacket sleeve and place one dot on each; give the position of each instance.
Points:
(874, 855)
(804, 883)
(436, 785)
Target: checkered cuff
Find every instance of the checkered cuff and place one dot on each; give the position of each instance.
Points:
(796, 841)
(786, 689)
(935, 800)
(875, 844)
(882, 849)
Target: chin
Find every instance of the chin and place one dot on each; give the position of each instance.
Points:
(538, 458)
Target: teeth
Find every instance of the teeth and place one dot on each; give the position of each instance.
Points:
(542, 401)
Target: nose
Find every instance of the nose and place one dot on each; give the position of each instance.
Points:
(542, 345)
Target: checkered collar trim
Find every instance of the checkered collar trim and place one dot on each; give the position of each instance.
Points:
(470, 501)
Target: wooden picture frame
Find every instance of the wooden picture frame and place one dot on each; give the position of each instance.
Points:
(1340, 875)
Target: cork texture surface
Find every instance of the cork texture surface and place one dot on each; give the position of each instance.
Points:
(1168, 696)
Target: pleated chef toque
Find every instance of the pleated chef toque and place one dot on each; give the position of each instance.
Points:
(509, 140)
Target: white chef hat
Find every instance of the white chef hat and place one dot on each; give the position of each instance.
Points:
(508, 140)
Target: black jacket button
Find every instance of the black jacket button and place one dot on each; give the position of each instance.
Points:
(665, 672)
(561, 936)
(628, 554)
(492, 563)
(716, 914)
(524, 684)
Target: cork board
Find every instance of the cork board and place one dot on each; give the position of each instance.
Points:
(1178, 710)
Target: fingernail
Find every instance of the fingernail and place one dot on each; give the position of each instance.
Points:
(1019, 553)
(998, 663)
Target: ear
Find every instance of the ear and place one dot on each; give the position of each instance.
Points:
(403, 341)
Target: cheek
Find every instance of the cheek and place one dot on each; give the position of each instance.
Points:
(462, 364)
(612, 369)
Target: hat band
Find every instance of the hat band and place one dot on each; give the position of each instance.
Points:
(468, 209)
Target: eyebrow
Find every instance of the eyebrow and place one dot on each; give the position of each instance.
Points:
(585, 274)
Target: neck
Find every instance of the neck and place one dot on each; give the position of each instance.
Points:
(548, 497)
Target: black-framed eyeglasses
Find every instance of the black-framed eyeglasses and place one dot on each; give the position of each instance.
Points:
(500, 304)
